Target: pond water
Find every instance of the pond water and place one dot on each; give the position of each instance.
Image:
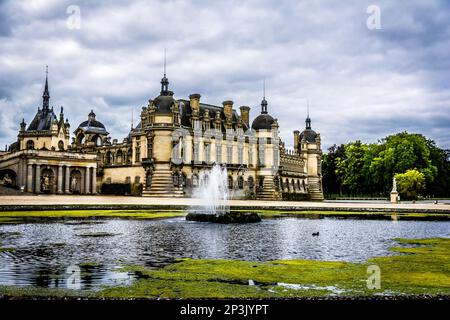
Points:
(49, 254)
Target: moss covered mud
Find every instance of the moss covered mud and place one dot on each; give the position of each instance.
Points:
(12, 217)
(418, 267)
(8, 217)
(271, 214)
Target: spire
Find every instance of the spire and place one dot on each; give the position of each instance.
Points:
(132, 116)
(264, 101)
(164, 80)
(308, 119)
(46, 95)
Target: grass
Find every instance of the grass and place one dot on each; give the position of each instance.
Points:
(419, 267)
(416, 271)
(12, 216)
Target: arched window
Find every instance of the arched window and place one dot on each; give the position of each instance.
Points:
(80, 138)
(240, 182)
(30, 145)
(251, 182)
(230, 182)
(119, 157)
(108, 158)
(129, 156)
(195, 180)
(97, 140)
(61, 145)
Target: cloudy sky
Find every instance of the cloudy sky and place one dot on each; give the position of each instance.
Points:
(362, 83)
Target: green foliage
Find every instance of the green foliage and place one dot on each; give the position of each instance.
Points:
(357, 168)
(410, 183)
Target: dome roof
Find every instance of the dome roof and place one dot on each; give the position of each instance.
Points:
(309, 134)
(263, 121)
(92, 125)
(164, 102)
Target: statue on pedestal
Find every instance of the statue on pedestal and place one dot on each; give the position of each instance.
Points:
(394, 193)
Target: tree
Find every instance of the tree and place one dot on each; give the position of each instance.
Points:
(410, 183)
(358, 168)
(331, 181)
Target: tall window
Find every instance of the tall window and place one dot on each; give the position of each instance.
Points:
(138, 153)
(229, 153)
(196, 157)
(240, 155)
(149, 147)
(207, 153)
(218, 152)
(262, 154)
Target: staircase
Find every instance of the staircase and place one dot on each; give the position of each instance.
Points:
(162, 185)
(268, 191)
(315, 189)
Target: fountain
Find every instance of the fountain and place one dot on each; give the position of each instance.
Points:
(214, 194)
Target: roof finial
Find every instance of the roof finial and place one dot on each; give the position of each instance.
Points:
(264, 88)
(308, 119)
(164, 62)
(132, 116)
(46, 95)
(164, 80)
(264, 101)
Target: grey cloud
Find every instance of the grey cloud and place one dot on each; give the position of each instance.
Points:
(361, 84)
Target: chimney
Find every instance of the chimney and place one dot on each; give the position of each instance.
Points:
(228, 108)
(195, 102)
(296, 141)
(245, 114)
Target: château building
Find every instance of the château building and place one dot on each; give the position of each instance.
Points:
(166, 154)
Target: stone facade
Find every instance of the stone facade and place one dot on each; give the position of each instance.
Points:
(175, 142)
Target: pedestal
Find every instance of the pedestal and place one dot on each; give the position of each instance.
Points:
(394, 196)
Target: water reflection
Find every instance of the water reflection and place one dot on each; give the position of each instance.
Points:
(43, 251)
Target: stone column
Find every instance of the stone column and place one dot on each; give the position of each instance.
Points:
(87, 180)
(60, 179)
(67, 181)
(30, 178)
(37, 186)
(94, 180)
